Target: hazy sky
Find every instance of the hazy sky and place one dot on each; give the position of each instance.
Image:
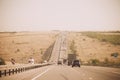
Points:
(30, 15)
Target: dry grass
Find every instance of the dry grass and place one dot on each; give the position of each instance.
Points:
(113, 38)
(23, 45)
(91, 48)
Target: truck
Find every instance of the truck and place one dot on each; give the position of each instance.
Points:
(71, 58)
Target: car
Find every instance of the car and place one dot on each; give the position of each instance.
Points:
(76, 63)
(59, 63)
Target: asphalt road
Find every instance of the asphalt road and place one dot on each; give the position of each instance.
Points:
(59, 49)
(56, 51)
(63, 72)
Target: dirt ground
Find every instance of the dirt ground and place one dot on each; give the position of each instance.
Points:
(23, 45)
(89, 48)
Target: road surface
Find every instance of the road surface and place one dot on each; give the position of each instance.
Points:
(63, 72)
(59, 49)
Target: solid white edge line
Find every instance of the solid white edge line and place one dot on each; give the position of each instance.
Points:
(40, 74)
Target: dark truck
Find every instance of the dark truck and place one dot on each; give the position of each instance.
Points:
(71, 58)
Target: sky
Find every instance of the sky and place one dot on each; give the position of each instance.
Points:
(80, 15)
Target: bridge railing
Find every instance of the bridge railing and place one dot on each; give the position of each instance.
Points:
(11, 70)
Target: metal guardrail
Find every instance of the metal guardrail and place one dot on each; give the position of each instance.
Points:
(18, 69)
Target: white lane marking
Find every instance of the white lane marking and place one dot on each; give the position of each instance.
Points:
(41, 74)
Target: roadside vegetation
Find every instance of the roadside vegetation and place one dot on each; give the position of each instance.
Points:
(72, 47)
(2, 62)
(47, 54)
(110, 37)
(105, 63)
(114, 39)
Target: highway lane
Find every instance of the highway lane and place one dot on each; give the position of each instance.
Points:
(56, 50)
(63, 72)
(59, 49)
(76, 73)
(99, 73)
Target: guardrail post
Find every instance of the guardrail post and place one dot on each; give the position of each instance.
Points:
(16, 70)
(9, 72)
(20, 69)
(5, 72)
(13, 71)
(0, 73)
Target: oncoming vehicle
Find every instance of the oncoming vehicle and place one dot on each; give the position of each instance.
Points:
(76, 63)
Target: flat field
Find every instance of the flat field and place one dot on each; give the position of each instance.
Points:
(23, 45)
(96, 45)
